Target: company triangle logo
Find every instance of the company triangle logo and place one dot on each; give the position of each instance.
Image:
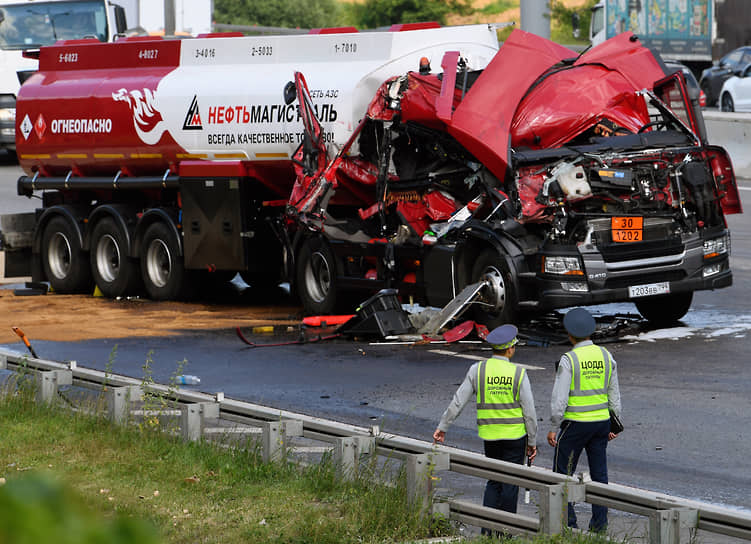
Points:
(193, 118)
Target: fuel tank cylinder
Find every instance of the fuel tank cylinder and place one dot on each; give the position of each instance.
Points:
(143, 105)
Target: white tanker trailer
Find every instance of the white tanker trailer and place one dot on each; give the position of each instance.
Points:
(557, 180)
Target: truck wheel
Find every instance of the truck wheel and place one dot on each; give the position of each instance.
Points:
(162, 267)
(316, 277)
(496, 304)
(65, 263)
(114, 272)
(665, 310)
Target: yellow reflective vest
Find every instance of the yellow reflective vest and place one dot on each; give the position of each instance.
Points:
(591, 369)
(499, 412)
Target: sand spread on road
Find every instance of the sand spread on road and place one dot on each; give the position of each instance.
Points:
(60, 318)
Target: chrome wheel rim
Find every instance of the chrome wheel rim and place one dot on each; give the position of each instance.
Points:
(59, 256)
(318, 277)
(158, 263)
(108, 258)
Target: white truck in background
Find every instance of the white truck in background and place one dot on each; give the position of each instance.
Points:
(26, 25)
(192, 17)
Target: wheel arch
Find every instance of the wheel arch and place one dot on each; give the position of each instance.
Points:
(70, 213)
(483, 238)
(156, 215)
(116, 213)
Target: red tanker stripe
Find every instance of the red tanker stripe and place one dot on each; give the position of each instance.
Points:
(90, 55)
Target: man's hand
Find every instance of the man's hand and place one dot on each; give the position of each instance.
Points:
(551, 439)
(439, 436)
(531, 453)
(611, 436)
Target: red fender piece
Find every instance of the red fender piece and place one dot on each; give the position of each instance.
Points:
(460, 331)
(326, 320)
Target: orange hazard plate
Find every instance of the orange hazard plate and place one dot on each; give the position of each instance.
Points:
(627, 229)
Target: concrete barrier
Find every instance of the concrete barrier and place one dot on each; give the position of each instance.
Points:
(733, 132)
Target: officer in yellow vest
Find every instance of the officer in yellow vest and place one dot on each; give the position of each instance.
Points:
(506, 418)
(585, 389)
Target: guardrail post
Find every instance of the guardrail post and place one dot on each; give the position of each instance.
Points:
(345, 455)
(274, 437)
(192, 418)
(420, 468)
(554, 501)
(118, 402)
(665, 525)
(347, 452)
(3, 361)
(49, 380)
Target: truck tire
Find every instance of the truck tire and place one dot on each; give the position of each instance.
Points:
(316, 277)
(162, 267)
(65, 263)
(115, 273)
(496, 304)
(664, 310)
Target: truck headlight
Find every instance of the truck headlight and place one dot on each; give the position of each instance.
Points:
(716, 247)
(7, 114)
(575, 286)
(567, 266)
(712, 269)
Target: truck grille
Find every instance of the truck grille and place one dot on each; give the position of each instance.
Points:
(659, 240)
(629, 251)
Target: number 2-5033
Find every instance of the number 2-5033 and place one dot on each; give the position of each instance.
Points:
(261, 51)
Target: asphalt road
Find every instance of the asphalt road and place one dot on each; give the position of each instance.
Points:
(684, 390)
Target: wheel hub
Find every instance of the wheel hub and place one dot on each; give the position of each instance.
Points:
(108, 258)
(158, 263)
(493, 293)
(318, 277)
(59, 256)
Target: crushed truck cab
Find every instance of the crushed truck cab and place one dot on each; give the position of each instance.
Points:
(342, 163)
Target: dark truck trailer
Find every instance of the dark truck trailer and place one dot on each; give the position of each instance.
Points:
(694, 32)
(553, 179)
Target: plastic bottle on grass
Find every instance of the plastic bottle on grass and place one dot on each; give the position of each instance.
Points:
(188, 379)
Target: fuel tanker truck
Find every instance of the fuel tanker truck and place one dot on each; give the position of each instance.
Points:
(421, 159)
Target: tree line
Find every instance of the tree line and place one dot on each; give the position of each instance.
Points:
(364, 14)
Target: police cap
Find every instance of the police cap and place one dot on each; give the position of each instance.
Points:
(579, 323)
(502, 337)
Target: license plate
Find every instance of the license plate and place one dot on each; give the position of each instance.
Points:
(627, 229)
(649, 289)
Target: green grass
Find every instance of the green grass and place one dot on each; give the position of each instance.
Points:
(196, 492)
(79, 475)
(498, 6)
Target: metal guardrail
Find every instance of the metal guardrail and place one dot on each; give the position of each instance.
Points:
(667, 515)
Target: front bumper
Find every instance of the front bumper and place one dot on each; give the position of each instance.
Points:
(683, 267)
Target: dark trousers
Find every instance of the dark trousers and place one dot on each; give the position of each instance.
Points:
(592, 437)
(497, 494)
